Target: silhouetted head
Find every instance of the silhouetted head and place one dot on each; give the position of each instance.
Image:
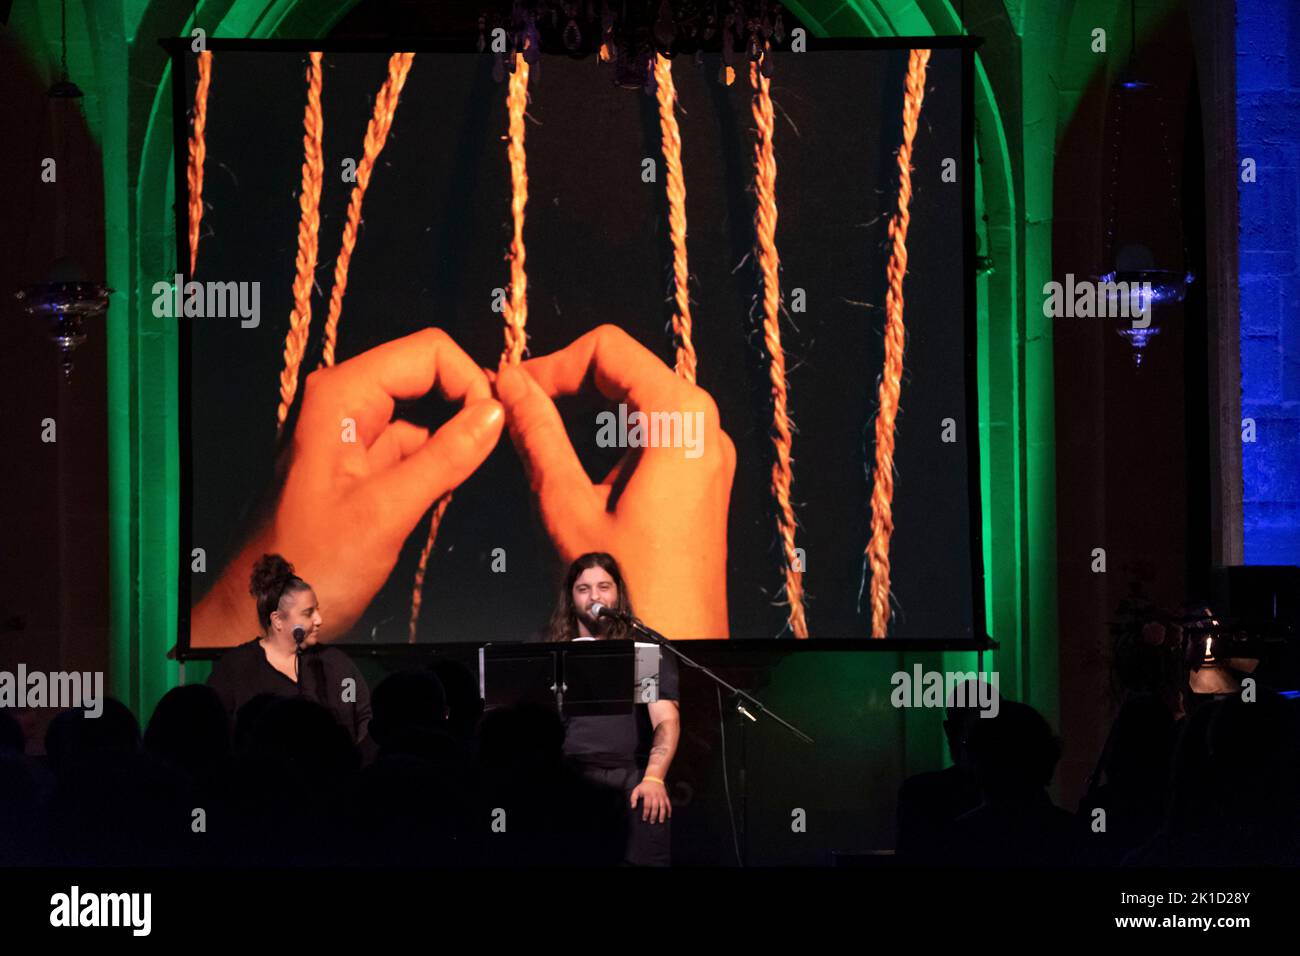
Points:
(1013, 754)
(73, 737)
(189, 729)
(963, 707)
(1142, 743)
(297, 733)
(1252, 752)
(11, 734)
(248, 716)
(407, 708)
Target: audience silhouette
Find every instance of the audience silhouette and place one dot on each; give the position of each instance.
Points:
(442, 783)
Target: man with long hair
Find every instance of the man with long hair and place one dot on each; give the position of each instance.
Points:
(631, 752)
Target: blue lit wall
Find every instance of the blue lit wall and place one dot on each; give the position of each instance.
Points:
(1268, 131)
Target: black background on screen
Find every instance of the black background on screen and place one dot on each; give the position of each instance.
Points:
(431, 250)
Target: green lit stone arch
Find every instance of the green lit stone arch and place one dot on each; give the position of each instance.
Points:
(144, 350)
(1016, 471)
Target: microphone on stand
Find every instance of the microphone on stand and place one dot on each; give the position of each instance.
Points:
(598, 610)
(299, 635)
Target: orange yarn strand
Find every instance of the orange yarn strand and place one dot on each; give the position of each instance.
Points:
(516, 309)
(417, 593)
(313, 173)
(672, 145)
(198, 152)
(376, 136)
(769, 263)
(882, 490)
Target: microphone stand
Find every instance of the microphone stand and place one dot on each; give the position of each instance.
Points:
(297, 657)
(746, 705)
(743, 700)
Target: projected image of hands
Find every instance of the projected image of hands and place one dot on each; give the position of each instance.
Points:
(358, 480)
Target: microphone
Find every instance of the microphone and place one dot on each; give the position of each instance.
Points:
(600, 610)
(299, 635)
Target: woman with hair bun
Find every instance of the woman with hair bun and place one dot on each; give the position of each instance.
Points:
(285, 658)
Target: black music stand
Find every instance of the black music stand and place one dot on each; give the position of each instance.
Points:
(578, 678)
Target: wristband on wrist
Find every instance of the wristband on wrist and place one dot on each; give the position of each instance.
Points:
(658, 780)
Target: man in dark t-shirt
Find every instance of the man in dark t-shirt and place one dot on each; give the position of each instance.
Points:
(615, 750)
(629, 752)
(621, 740)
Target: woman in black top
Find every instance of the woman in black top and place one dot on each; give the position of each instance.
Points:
(273, 662)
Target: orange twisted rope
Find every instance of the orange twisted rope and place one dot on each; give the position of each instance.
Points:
(313, 175)
(399, 64)
(198, 152)
(417, 592)
(672, 145)
(516, 309)
(882, 490)
(770, 263)
(381, 122)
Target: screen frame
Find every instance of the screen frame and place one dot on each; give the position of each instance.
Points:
(180, 53)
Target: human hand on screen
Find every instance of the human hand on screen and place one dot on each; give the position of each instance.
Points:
(659, 511)
(357, 482)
